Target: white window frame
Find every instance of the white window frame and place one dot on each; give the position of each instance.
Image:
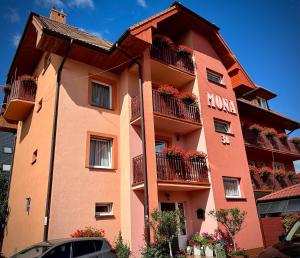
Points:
(6, 148)
(96, 138)
(110, 93)
(262, 103)
(224, 123)
(103, 214)
(214, 74)
(238, 187)
(5, 166)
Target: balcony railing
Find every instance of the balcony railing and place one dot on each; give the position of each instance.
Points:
(173, 169)
(171, 57)
(23, 90)
(168, 106)
(275, 144)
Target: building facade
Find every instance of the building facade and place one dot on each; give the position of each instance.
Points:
(80, 155)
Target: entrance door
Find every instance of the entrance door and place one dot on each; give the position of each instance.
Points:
(172, 206)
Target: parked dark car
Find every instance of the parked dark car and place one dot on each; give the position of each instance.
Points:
(89, 247)
(289, 245)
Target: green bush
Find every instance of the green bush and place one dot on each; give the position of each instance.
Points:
(288, 221)
(122, 249)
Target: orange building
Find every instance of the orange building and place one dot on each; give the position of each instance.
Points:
(94, 118)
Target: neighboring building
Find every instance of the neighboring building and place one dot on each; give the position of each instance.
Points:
(6, 152)
(87, 169)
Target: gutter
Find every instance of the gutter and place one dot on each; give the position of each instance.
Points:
(53, 144)
(144, 161)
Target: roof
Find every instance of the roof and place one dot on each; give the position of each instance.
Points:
(286, 193)
(73, 32)
(259, 91)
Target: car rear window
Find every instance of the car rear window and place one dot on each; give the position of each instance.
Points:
(83, 247)
(98, 245)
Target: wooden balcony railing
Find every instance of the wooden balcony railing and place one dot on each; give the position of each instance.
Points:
(169, 56)
(23, 90)
(168, 106)
(275, 144)
(172, 169)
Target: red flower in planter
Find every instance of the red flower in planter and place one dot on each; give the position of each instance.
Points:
(255, 128)
(167, 90)
(269, 132)
(88, 232)
(265, 171)
(279, 174)
(162, 40)
(182, 49)
(282, 136)
(195, 155)
(253, 170)
(174, 151)
(296, 140)
(188, 97)
(291, 175)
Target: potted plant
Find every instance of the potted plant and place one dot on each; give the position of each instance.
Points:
(269, 132)
(88, 232)
(197, 244)
(122, 249)
(162, 41)
(253, 170)
(188, 98)
(195, 155)
(296, 140)
(180, 254)
(28, 80)
(174, 152)
(256, 129)
(6, 89)
(279, 174)
(208, 242)
(184, 51)
(265, 171)
(167, 90)
(291, 175)
(282, 136)
(236, 253)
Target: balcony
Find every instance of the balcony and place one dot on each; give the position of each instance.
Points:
(21, 99)
(173, 173)
(285, 148)
(170, 114)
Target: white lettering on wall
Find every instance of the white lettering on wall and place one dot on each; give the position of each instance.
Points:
(215, 101)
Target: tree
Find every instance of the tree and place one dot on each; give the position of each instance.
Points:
(122, 248)
(232, 220)
(166, 225)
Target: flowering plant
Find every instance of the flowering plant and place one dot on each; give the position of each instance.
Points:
(265, 171)
(255, 128)
(174, 151)
(282, 136)
(184, 50)
(167, 90)
(253, 170)
(88, 232)
(188, 97)
(291, 175)
(269, 132)
(279, 174)
(195, 155)
(162, 41)
(296, 140)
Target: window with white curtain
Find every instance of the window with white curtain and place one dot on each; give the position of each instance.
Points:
(100, 152)
(232, 187)
(101, 95)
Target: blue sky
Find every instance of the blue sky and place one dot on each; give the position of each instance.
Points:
(263, 34)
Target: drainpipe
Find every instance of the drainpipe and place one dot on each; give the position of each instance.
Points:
(53, 143)
(144, 160)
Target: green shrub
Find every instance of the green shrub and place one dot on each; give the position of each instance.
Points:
(122, 249)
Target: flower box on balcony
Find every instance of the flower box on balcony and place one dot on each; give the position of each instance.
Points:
(256, 129)
(184, 51)
(279, 174)
(282, 136)
(253, 170)
(162, 41)
(265, 171)
(174, 152)
(291, 175)
(195, 155)
(188, 98)
(167, 90)
(270, 132)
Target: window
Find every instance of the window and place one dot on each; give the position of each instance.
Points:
(6, 167)
(103, 209)
(83, 248)
(101, 95)
(214, 77)
(100, 152)
(262, 103)
(232, 187)
(7, 150)
(98, 245)
(62, 251)
(160, 145)
(222, 126)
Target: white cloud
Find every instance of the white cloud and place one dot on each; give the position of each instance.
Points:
(16, 39)
(12, 15)
(297, 165)
(50, 3)
(142, 3)
(82, 4)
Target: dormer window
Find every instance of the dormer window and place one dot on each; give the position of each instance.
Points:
(262, 103)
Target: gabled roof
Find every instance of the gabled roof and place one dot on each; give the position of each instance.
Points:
(286, 193)
(259, 91)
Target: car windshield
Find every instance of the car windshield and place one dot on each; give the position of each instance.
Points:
(32, 252)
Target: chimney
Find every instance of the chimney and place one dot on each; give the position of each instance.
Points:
(58, 16)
